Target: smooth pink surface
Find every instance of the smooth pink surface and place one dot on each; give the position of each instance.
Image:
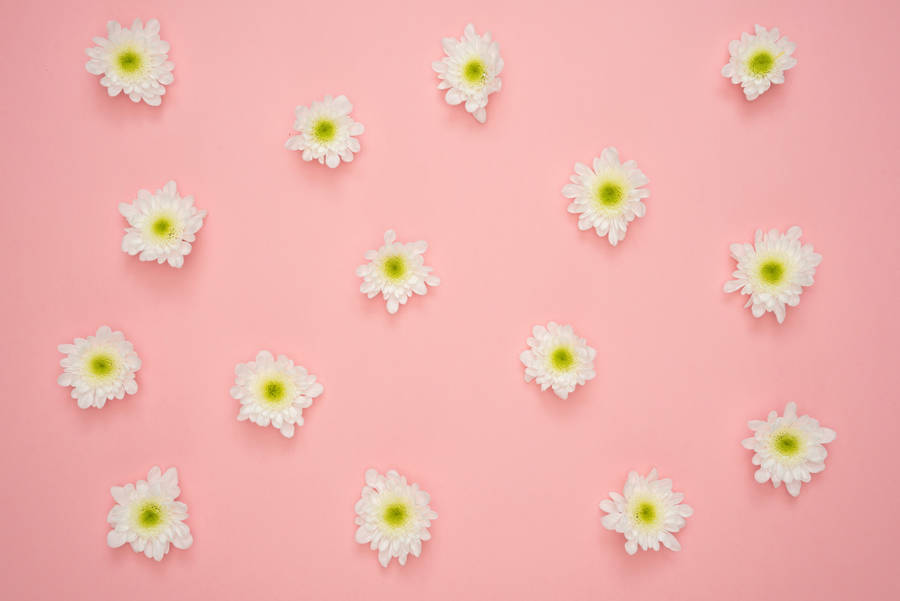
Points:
(437, 390)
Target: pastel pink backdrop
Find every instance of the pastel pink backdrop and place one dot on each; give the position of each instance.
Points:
(437, 390)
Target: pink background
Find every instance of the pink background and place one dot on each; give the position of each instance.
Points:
(437, 391)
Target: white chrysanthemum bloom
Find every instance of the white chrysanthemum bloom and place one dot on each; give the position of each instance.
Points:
(274, 391)
(148, 517)
(648, 513)
(393, 516)
(326, 131)
(99, 368)
(162, 225)
(470, 72)
(396, 271)
(558, 359)
(134, 61)
(608, 196)
(773, 271)
(757, 61)
(788, 449)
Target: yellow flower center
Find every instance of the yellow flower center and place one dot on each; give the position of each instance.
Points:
(101, 365)
(396, 514)
(129, 61)
(164, 228)
(394, 267)
(761, 63)
(562, 359)
(273, 391)
(150, 515)
(474, 71)
(610, 194)
(645, 513)
(772, 272)
(787, 444)
(324, 130)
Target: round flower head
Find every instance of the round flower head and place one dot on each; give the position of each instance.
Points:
(162, 225)
(558, 359)
(148, 517)
(396, 271)
(274, 391)
(757, 61)
(133, 61)
(648, 513)
(788, 449)
(326, 131)
(773, 271)
(99, 368)
(608, 196)
(393, 516)
(470, 72)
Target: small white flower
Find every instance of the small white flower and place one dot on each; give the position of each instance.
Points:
(608, 196)
(647, 514)
(133, 61)
(558, 359)
(471, 71)
(162, 225)
(148, 517)
(326, 131)
(274, 391)
(774, 271)
(396, 271)
(758, 61)
(788, 449)
(393, 516)
(99, 368)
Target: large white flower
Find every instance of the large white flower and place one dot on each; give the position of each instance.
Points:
(558, 359)
(758, 61)
(470, 72)
(148, 517)
(648, 513)
(134, 61)
(788, 449)
(99, 368)
(608, 196)
(773, 271)
(326, 131)
(393, 516)
(162, 225)
(396, 271)
(274, 391)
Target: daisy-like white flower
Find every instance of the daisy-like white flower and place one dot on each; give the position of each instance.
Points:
(396, 271)
(757, 61)
(162, 225)
(608, 196)
(773, 271)
(148, 517)
(134, 61)
(648, 513)
(788, 448)
(393, 516)
(326, 131)
(274, 391)
(99, 368)
(470, 72)
(558, 359)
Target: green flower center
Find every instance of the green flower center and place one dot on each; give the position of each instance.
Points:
(324, 130)
(150, 514)
(645, 513)
(396, 514)
(274, 391)
(129, 61)
(562, 359)
(610, 194)
(102, 365)
(163, 228)
(787, 444)
(771, 272)
(394, 267)
(761, 63)
(474, 71)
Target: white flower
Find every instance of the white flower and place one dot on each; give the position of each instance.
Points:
(608, 196)
(99, 368)
(788, 449)
(148, 517)
(274, 391)
(393, 516)
(558, 359)
(758, 61)
(326, 131)
(647, 514)
(471, 71)
(396, 271)
(774, 271)
(163, 225)
(132, 60)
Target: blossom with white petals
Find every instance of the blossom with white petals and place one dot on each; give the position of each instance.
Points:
(396, 271)
(99, 368)
(759, 60)
(470, 72)
(558, 359)
(326, 131)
